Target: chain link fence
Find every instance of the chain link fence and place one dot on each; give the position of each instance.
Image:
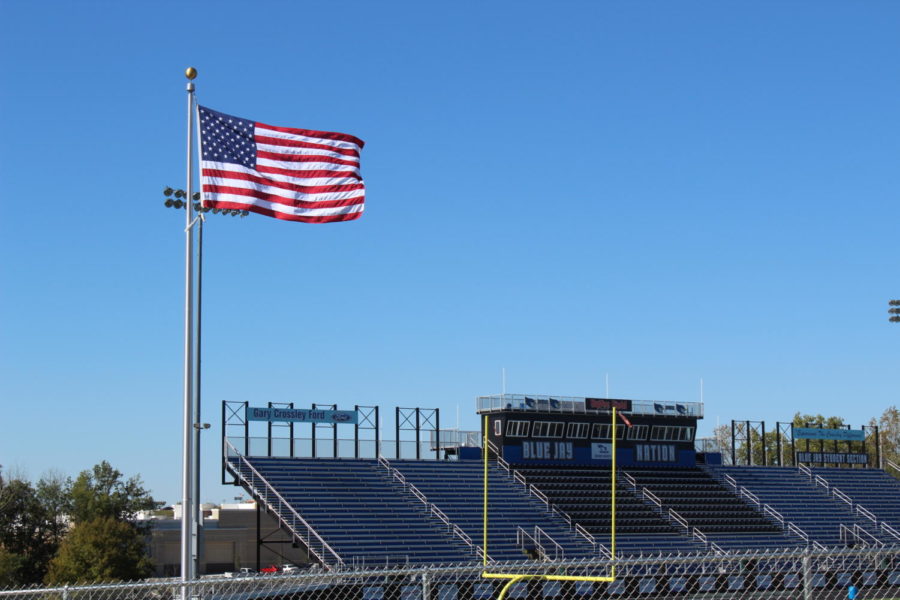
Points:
(795, 575)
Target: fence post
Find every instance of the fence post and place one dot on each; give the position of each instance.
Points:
(426, 586)
(807, 576)
(65, 595)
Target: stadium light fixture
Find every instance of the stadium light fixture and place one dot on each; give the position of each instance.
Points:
(177, 198)
(894, 311)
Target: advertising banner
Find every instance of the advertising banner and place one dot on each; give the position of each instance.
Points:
(601, 451)
(301, 415)
(835, 458)
(841, 435)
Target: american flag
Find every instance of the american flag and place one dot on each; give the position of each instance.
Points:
(281, 172)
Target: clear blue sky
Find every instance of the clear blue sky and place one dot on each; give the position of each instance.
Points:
(660, 191)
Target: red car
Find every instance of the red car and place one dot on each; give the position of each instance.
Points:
(270, 570)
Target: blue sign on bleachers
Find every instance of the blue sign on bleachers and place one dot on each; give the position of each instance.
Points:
(301, 415)
(841, 435)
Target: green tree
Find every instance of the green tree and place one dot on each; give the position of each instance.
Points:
(100, 549)
(889, 437)
(10, 565)
(101, 492)
(29, 533)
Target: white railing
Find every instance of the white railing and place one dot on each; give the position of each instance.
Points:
(523, 537)
(861, 510)
(745, 493)
(717, 548)
(842, 497)
(799, 532)
(586, 535)
(415, 492)
(768, 510)
(604, 552)
(539, 495)
(558, 551)
(645, 493)
(823, 482)
(561, 514)
(699, 535)
(863, 534)
(269, 496)
(731, 481)
(500, 460)
(892, 465)
(678, 519)
(631, 480)
(885, 528)
(517, 475)
(805, 470)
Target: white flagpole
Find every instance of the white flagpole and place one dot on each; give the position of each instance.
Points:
(187, 481)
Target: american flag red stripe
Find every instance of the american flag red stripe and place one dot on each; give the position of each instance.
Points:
(282, 172)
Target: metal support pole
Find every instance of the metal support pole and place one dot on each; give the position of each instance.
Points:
(765, 448)
(356, 433)
(377, 434)
(733, 445)
(807, 577)
(418, 435)
(749, 435)
(187, 480)
(437, 433)
(397, 428)
(198, 509)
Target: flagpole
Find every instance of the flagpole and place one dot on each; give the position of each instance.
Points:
(187, 482)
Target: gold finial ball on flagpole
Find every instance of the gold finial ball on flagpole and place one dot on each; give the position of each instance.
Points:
(190, 73)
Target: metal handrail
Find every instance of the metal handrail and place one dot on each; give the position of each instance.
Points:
(892, 465)
(651, 496)
(860, 532)
(539, 495)
(866, 513)
(631, 480)
(560, 553)
(440, 515)
(805, 470)
(517, 476)
(276, 509)
(843, 497)
(885, 528)
(415, 492)
(817, 546)
(750, 495)
(555, 510)
(696, 533)
(384, 462)
(717, 548)
(731, 481)
(586, 535)
(679, 519)
(604, 552)
(768, 510)
(799, 532)
(500, 460)
(823, 482)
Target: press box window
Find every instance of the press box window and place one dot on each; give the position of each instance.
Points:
(498, 428)
(548, 429)
(671, 433)
(637, 432)
(517, 428)
(603, 431)
(577, 431)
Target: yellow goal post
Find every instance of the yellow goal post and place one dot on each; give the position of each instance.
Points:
(514, 578)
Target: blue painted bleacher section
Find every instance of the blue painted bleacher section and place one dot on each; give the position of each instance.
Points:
(457, 489)
(584, 493)
(354, 506)
(874, 489)
(797, 499)
(714, 510)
